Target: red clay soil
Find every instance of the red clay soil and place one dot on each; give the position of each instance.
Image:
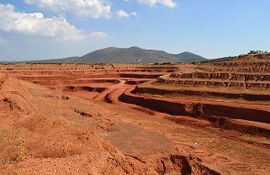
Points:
(85, 119)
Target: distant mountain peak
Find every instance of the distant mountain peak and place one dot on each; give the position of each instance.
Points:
(134, 47)
(131, 55)
(187, 52)
(187, 56)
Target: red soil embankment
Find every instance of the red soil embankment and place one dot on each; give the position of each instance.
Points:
(223, 76)
(84, 88)
(139, 75)
(196, 109)
(227, 84)
(154, 104)
(135, 82)
(53, 80)
(249, 97)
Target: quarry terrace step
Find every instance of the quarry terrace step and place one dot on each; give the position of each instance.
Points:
(202, 93)
(194, 109)
(222, 76)
(255, 85)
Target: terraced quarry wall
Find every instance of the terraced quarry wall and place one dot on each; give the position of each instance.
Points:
(238, 89)
(176, 107)
(235, 95)
(135, 119)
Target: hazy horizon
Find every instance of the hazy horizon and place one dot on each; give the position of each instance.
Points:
(35, 29)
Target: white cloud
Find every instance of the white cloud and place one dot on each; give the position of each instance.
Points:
(168, 3)
(133, 14)
(37, 24)
(98, 35)
(81, 8)
(122, 14)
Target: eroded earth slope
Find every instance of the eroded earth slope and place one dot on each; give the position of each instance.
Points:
(136, 119)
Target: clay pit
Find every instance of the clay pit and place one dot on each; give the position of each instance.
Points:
(203, 119)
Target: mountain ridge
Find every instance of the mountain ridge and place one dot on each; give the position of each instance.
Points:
(131, 55)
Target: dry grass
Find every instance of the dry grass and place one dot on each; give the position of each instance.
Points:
(47, 139)
(50, 138)
(12, 146)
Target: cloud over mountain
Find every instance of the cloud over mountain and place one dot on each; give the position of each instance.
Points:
(36, 24)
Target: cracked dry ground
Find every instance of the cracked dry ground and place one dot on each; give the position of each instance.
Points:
(47, 131)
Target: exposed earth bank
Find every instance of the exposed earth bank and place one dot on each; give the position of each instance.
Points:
(105, 119)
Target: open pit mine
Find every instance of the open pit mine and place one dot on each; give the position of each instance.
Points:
(186, 119)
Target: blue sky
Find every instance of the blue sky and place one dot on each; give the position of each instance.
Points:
(32, 29)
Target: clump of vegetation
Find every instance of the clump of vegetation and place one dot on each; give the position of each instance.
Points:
(257, 52)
